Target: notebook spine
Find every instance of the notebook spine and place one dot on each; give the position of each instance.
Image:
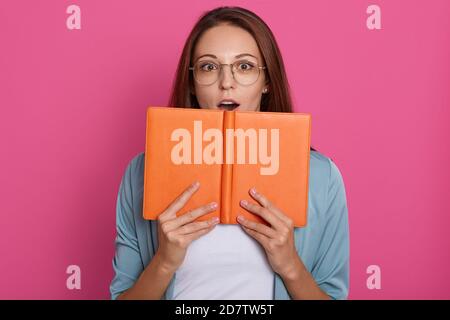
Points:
(227, 168)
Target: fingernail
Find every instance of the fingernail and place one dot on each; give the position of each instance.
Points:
(244, 202)
(215, 220)
(253, 191)
(240, 218)
(213, 205)
(196, 184)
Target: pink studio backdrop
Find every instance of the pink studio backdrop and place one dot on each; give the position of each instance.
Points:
(73, 106)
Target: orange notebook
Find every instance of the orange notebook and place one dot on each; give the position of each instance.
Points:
(228, 152)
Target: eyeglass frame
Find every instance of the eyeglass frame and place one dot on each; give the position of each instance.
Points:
(232, 72)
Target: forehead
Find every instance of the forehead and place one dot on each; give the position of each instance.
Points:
(226, 42)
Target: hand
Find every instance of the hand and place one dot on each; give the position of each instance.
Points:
(176, 233)
(276, 239)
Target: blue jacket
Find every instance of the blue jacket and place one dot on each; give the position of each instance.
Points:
(323, 245)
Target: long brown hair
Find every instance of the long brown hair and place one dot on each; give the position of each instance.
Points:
(278, 98)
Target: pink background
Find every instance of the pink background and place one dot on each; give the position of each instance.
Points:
(73, 108)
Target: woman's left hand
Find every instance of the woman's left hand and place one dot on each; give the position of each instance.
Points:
(276, 239)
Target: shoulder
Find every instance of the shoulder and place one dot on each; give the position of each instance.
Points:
(136, 165)
(322, 168)
(325, 179)
(136, 172)
(131, 187)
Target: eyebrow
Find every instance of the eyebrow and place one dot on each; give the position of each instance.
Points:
(236, 57)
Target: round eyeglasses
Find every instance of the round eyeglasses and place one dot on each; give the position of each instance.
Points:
(244, 72)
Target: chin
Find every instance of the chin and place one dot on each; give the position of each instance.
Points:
(252, 109)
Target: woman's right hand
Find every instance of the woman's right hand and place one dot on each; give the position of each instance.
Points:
(176, 233)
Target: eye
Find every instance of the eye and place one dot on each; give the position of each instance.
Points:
(245, 66)
(208, 66)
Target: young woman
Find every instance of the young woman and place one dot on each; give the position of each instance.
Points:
(231, 61)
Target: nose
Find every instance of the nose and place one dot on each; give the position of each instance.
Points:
(226, 79)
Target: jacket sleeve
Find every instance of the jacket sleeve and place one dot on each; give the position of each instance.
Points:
(331, 266)
(127, 262)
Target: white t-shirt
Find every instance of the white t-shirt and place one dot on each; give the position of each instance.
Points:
(225, 264)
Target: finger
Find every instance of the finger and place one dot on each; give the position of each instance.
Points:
(196, 226)
(262, 239)
(179, 202)
(263, 213)
(269, 205)
(259, 227)
(194, 236)
(190, 216)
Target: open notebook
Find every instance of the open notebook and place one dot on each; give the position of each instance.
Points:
(228, 152)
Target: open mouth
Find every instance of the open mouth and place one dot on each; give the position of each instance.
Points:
(228, 106)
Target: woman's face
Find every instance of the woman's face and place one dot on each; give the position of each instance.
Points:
(226, 44)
